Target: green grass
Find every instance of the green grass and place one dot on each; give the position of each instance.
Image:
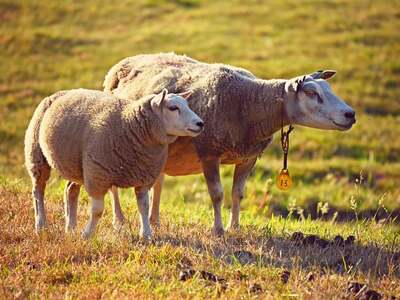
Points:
(119, 264)
(46, 46)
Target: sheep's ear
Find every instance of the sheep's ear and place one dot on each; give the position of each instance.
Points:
(316, 75)
(163, 94)
(159, 98)
(186, 94)
(326, 74)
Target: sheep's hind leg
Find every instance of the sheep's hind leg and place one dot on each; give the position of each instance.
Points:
(71, 194)
(39, 180)
(242, 171)
(96, 212)
(142, 197)
(118, 216)
(155, 201)
(211, 173)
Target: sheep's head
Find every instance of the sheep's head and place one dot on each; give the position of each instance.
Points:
(312, 103)
(175, 114)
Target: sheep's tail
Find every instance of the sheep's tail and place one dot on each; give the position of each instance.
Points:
(35, 160)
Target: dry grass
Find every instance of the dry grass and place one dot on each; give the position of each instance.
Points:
(119, 264)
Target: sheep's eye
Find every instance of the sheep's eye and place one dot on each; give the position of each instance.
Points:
(172, 108)
(310, 94)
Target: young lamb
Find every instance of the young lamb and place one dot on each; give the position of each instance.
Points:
(97, 140)
(241, 113)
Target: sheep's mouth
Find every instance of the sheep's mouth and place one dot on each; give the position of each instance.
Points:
(344, 126)
(197, 131)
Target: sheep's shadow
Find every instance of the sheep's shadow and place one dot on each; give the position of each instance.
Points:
(341, 215)
(281, 252)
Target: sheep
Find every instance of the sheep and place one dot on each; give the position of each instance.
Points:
(241, 113)
(94, 139)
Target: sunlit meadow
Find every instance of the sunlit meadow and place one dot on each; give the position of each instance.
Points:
(344, 183)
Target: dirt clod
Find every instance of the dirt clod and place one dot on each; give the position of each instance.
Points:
(310, 276)
(62, 278)
(189, 273)
(297, 237)
(309, 240)
(186, 274)
(240, 276)
(396, 256)
(322, 243)
(338, 241)
(355, 287)
(255, 288)
(31, 266)
(370, 295)
(350, 240)
(208, 276)
(285, 275)
(342, 264)
(244, 257)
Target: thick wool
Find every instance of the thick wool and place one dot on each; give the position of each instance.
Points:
(240, 112)
(96, 139)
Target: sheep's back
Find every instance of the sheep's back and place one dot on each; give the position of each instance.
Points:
(216, 97)
(68, 126)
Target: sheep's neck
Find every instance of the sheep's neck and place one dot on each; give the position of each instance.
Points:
(146, 128)
(139, 144)
(268, 113)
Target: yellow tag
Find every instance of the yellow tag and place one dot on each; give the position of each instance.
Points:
(284, 181)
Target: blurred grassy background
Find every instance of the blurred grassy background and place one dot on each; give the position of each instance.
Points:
(46, 46)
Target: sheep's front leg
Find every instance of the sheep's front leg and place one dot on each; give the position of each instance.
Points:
(155, 201)
(242, 171)
(118, 216)
(96, 212)
(211, 173)
(71, 194)
(142, 197)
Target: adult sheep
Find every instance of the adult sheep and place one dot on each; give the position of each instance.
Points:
(241, 113)
(95, 139)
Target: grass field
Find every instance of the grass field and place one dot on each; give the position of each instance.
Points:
(344, 183)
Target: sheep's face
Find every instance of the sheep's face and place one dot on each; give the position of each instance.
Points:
(175, 114)
(315, 105)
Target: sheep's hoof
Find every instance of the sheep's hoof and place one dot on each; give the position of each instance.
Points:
(70, 229)
(40, 226)
(86, 235)
(146, 236)
(155, 223)
(234, 227)
(117, 224)
(218, 231)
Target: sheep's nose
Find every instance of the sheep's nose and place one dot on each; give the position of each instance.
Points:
(200, 124)
(350, 114)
